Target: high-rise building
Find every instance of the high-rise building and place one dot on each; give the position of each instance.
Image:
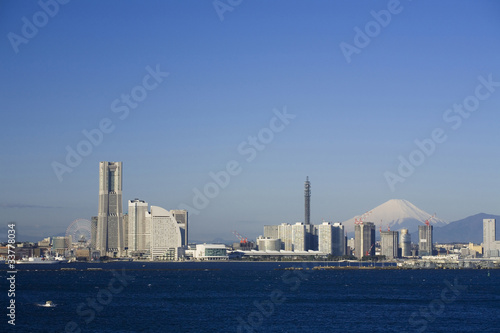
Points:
(181, 216)
(331, 238)
(167, 241)
(364, 235)
(338, 239)
(389, 243)
(491, 246)
(405, 243)
(139, 221)
(271, 231)
(425, 240)
(285, 234)
(110, 213)
(125, 231)
(299, 237)
(93, 232)
(325, 238)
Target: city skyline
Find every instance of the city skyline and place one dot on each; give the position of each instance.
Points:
(253, 109)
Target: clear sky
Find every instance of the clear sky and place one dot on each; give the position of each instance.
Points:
(355, 84)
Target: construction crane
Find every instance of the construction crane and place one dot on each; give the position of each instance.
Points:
(243, 240)
(381, 225)
(362, 218)
(428, 221)
(370, 250)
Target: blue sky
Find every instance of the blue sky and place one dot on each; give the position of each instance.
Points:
(225, 77)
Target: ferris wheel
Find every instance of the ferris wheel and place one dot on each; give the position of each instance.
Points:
(80, 232)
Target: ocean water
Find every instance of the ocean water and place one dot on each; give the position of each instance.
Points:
(251, 297)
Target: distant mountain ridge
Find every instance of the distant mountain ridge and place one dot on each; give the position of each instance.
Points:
(469, 229)
(396, 214)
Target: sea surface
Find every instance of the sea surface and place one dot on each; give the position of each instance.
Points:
(250, 297)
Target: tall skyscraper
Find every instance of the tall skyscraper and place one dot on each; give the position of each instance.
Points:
(93, 232)
(425, 240)
(181, 216)
(325, 238)
(139, 221)
(299, 237)
(110, 213)
(338, 239)
(364, 235)
(285, 234)
(405, 243)
(307, 201)
(389, 244)
(491, 247)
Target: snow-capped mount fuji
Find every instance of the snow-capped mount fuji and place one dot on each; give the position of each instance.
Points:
(396, 214)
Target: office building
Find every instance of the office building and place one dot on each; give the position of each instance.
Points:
(139, 221)
(405, 243)
(93, 232)
(338, 240)
(364, 236)
(60, 244)
(389, 244)
(125, 231)
(425, 240)
(110, 213)
(491, 246)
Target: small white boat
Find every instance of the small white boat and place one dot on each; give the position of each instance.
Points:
(48, 304)
(38, 260)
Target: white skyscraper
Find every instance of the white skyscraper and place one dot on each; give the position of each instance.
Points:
(299, 236)
(331, 238)
(285, 234)
(109, 234)
(139, 221)
(491, 247)
(325, 238)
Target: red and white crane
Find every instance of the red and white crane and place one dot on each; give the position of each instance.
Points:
(428, 221)
(243, 240)
(362, 218)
